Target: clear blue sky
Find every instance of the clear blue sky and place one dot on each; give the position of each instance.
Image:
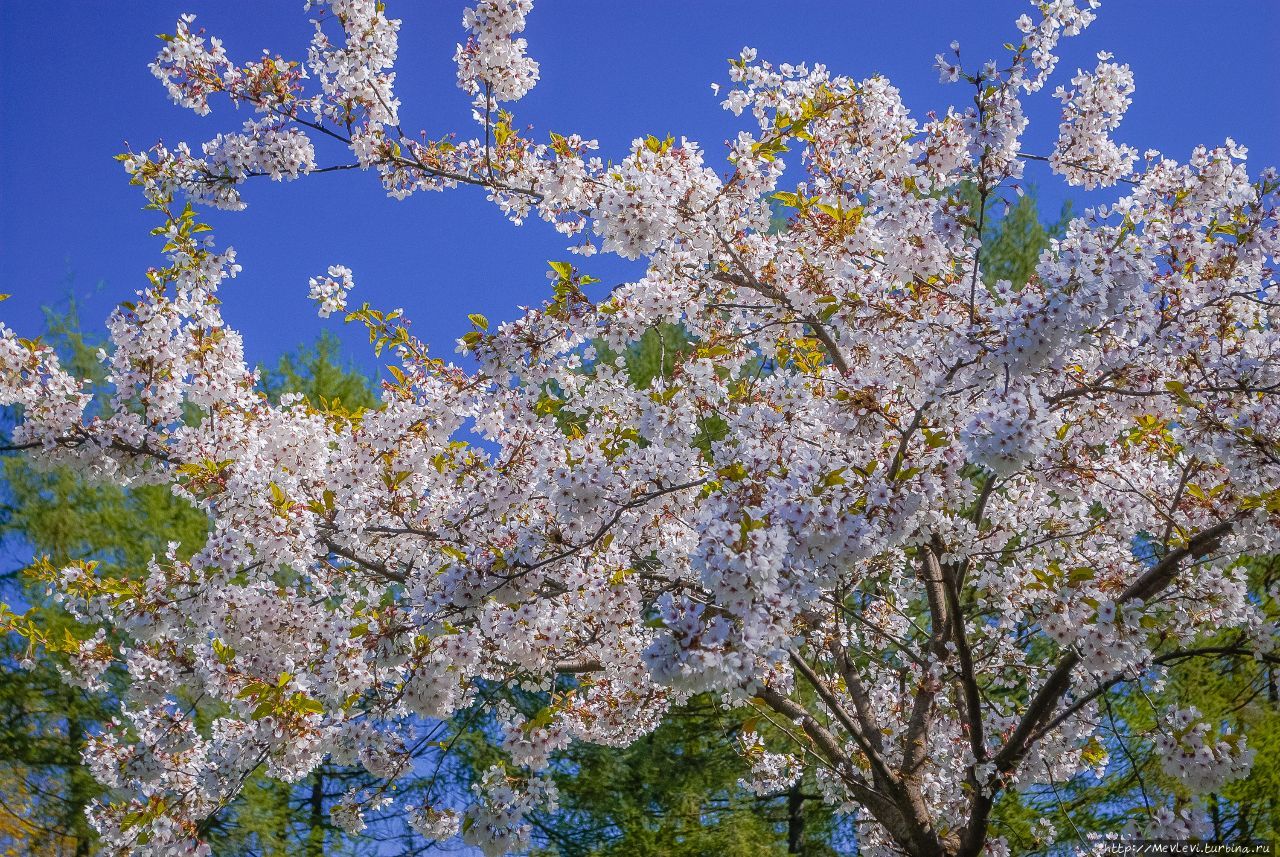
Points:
(74, 87)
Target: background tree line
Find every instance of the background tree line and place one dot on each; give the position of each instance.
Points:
(677, 792)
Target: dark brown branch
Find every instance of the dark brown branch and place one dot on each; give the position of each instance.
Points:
(414, 163)
(884, 777)
(748, 281)
(972, 710)
(1152, 581)
(582, 666)
(885, 810)
(858, 693)
(1080, 166)
(917, 420)
(144, 449)
(604, 528)
(379, 568)
(1167, 658)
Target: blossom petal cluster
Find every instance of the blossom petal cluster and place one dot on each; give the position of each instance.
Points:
(330, 290)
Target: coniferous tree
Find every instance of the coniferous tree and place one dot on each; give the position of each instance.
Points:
(59, 515)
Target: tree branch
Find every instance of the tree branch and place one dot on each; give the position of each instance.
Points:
(1151, 582)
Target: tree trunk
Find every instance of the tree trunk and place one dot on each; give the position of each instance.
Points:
(315, 836)
(795, 819)
(79, 792)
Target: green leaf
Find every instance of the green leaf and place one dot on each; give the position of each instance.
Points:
(307, 705)
(224, 653)
(835, 477)
(1080, 575)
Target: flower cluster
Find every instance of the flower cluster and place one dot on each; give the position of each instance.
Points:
(189, 69)
(330, 291)
(493, 64)
(1191, 753)
(770, 772)
(433, 824)
(356, 74)
(1084, 154)
(497, 824)
(1003, 435)
(265, 147)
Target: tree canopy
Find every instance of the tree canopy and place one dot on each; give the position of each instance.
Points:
(930, 527)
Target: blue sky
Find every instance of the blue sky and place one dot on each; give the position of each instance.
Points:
(74, 88)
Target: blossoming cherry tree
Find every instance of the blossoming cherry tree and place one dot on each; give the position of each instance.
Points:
(921, 524)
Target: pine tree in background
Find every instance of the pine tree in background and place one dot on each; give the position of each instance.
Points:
(57, 514)
(44, 787)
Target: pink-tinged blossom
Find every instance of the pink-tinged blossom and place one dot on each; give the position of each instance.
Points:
(493, 65)
(771, 772)
(948, 71)
(497, 825)
(1085, 154)
(1197, 755)
(354, 74)
(330, 291)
